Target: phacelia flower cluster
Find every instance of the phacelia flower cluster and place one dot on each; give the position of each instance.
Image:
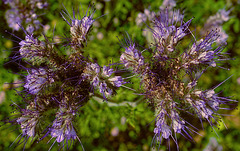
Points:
(24, 13)
(170, 73)
(58, 85)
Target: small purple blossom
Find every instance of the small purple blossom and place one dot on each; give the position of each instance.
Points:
(162, 129)
(166, 34)
(101, 78)
(95, 81)
(177, 123)
(13, 19)
(202, 52)
(28, 122)
(132, 57)
(79, 28)
(105, 90)
(117, 81)
(141, 17)
(107, 71)
(7, 1)
(63, 129)
(144, 17)
(36, 79)
(34, 50)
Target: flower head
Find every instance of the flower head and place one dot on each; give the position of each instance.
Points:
(32, 49)
(60, 84)
(169, 75)
(79, 28)
(132, 57)
(168, 30)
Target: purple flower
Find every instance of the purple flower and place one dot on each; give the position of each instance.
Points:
(95, 81)
(60, 83)
(79, 28)
(101, 78)
(107, 71)
(62, 127)
(63, 133)
(34, 50)
(92, 72)
(141, 18)
(30, 119)
(202, 52)
(7, 1)
(41, 5)
(104, 89)
(13, 19)
(162, 129)
(36, 79)
(117, 81)
(165, 32)
(28, 122)
(177, 123)
(169, 75)
(169, 4)
(132, 57)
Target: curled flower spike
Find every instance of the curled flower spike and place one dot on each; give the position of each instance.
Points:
(101, 78)
(166, 31)
(36, 79)
(34, 50)
(162, 129)
(202, 52)
(62, 128)
(132, 57)
(28, 122)
(79, 28)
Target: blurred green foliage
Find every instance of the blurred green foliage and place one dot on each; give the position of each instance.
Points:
(122, 127)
